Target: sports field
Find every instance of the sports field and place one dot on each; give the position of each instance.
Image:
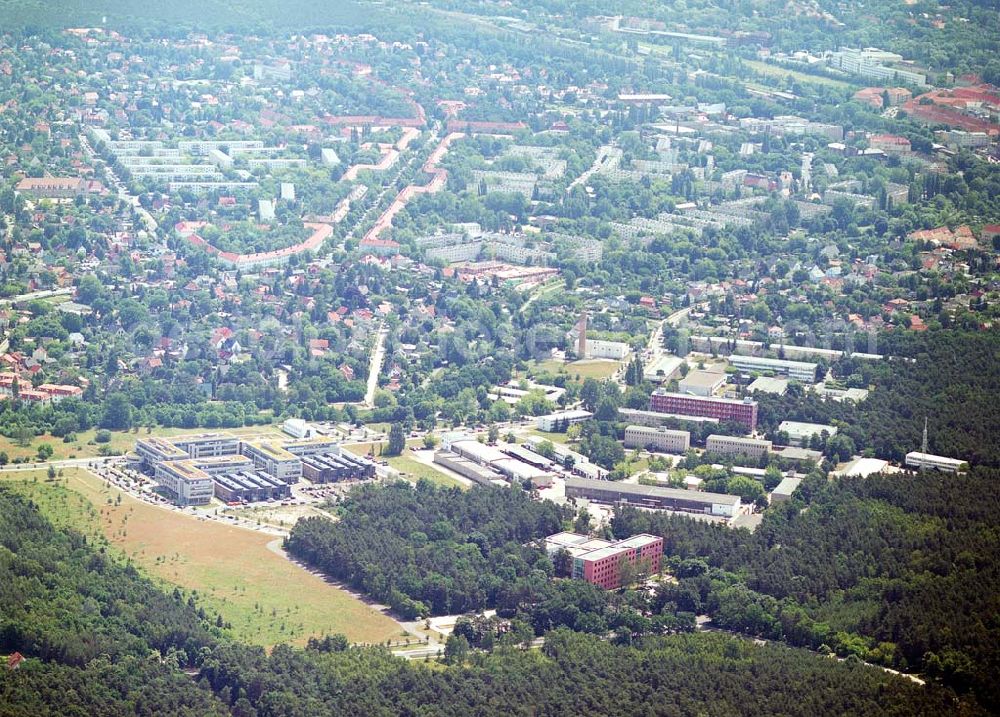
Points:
(266, 598)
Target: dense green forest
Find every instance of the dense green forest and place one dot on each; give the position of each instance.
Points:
(898, 569)
(65, 673)
(430, 550)
(948, 377)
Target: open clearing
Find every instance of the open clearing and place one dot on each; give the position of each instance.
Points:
(584, 368)
(409, 468)
(266, 598)
(776, 71)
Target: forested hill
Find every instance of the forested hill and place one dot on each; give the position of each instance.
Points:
(100, 641)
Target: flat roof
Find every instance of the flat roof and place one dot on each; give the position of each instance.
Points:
(272, 449)
(768, 384)
(799, 428)
(702, 379)
(638, 541)
(765, 361)
(787, 486)
(931, 458)
(711, 399)
(650, 491)
(558, 415)
(659, 431)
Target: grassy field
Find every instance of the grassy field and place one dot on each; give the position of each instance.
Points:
(408, 467)
(266, 598)
(121, 441)
(765, 68)
(585, 368)
(557, 438)
(593, 368)
(413, 470)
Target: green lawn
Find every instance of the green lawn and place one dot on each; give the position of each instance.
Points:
(265, 597)
(584, 368)
(766, 68)
(413, 470)
(558, 438)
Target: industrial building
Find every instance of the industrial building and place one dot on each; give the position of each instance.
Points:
(722, 409)
(783, 491)
(928, 461)
(804, 371)
(800, 434)
(661, 439)
(558, 422)
(249, 486)
(599, 561)
(662, 369)
(581, 465)
(645, 496)
(330, 468)
(737, 446)
(472, 449)
(702, 383)
(469, 469)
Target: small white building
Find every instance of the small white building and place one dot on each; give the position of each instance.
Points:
(265, 210)
(928, 461)
(298, 428)
(561, 420)
(600, 349)
(799, 434)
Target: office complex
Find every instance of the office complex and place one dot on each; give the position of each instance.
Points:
(723, 409)
(190, 469)
(657, 439)
(737, 446)
(599, 561)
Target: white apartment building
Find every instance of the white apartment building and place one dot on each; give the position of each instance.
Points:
(664, 440)
(736, 446)
(804, 371)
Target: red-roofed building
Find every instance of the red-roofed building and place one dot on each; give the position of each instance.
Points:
(889, 143)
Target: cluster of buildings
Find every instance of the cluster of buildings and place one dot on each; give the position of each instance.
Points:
(599, 562)
(12, 385)
(506, 463)
(876, 64)
(192, 469)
